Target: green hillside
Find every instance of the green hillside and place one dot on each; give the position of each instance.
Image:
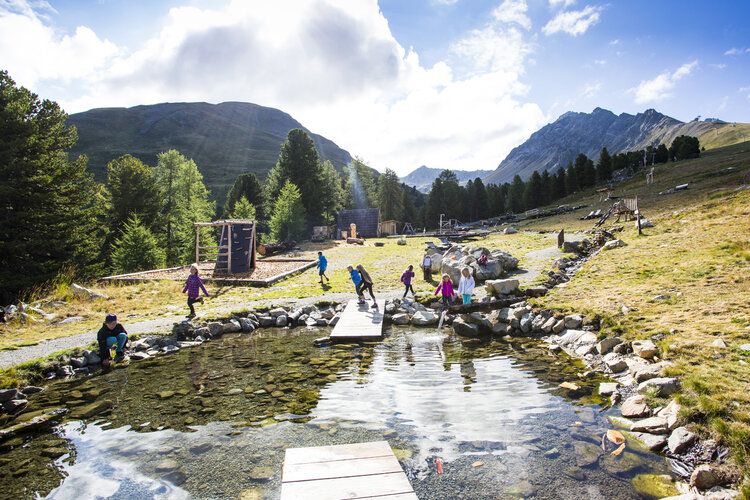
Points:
(225, 139)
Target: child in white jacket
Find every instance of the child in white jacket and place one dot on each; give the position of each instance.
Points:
(466, 285)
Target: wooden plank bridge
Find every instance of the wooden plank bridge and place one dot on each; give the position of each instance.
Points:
(359, 322)
(346, 471)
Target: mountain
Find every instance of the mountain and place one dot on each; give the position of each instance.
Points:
(557, 143)
(423, 177)
(225, 139)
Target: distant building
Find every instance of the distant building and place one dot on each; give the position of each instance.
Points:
(388, 227)
(367, 221)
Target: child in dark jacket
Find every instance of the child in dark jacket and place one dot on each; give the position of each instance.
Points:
(109, 334)
(193, 287)
(406, 280)
(446, 288)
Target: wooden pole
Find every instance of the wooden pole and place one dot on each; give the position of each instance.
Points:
(637, 215)
(197, 240)
(229, 248)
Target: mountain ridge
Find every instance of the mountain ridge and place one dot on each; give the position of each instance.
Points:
(422, 177)
(225, 139)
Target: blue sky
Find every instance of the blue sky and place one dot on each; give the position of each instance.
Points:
(400, 83)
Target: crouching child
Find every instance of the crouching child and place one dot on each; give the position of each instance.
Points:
(111, 334)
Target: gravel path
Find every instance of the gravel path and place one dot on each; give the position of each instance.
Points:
(538, 261)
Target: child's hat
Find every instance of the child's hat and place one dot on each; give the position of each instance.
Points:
(110, 317)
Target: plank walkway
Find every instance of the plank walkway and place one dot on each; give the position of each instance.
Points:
(345, 471)
(360, 322)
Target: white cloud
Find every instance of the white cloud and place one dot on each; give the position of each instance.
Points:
(563, 3)
(334, 65)
(513, 11)
(734, 51)
(615, 42)
(574, 22)
(447, 2)
(661, 87)
(591, 90)
(600, 62)
(744, 89)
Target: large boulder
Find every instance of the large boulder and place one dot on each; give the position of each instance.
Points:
(477, 319)
(645, 349)
(501, 287)
(489, 271)
(400, 319)
(507, 260)
(453, 269)
(437, 261)
(464, 329)
(662, 386)
(635, 407)
(680, 439)
(424, 318)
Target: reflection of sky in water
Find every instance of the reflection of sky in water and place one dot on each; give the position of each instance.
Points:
(102, 469)
(417, 387)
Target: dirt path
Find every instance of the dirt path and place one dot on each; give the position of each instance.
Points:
(536, 262)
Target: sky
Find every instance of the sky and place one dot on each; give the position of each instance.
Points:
(398, 83)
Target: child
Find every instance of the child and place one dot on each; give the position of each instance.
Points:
(406, 280)
(446, 288)
(193, 287)
(354, 276)
(322, 264)
(427, 267)
(466, 285)
(109, 334)
(366, 284)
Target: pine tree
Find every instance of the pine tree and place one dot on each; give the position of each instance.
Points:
(604, 166)
(390, 196)
(409, 211)
(288, 219)
(249, 186)
(533, 192)
(137, 249)
(331, 193)
(243, 209)
(515, 196)
(546, 190)
(560, 189)
(571, 179)
(47, 214)
(481, 200)
(361, 188)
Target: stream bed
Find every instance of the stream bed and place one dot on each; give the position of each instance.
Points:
(213, 421)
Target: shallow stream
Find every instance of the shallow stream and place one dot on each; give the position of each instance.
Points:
(213, 421)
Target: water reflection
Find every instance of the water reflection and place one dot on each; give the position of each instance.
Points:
(214, 421)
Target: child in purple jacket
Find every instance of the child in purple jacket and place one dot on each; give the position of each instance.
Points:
(193, 288)
(406, 280)
(446, 288)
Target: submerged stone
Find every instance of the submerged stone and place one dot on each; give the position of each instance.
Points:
(654, 485)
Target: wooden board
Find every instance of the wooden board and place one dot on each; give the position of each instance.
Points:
(360, 321)
(349, 471)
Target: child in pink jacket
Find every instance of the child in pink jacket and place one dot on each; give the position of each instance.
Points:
(446, 288)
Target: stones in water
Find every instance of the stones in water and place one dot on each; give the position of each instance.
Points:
(424, 318)
(261, 474)
(652, 425)
(586, 454)
(400, 319)
(635, 407)
(92, 409)
(680, 440)
(653, 442)
(464, 329)
(654, 485)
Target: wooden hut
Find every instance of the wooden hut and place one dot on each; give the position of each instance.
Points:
(387, 227)
(367, 221)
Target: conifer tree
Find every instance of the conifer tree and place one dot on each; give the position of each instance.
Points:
(533, 191)
(137, 249)
(604, 166)
(515, 195)
(249, 186)
(288, 219)
(47, 214)
(390, 196)
(243, 209)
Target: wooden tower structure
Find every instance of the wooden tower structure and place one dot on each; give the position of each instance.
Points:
(236, 250)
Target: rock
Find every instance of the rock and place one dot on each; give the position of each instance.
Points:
(575, 473)
(71, 319)
(334, 321)
(522, 489)
(139, 356)
(501, 328)
(501, 287)
(571, 337)
(480, 321)
(615, 363)
(167, 465)
(400, 319)
(680, 439)
(607, 344)
(607, 388)
(169, 349)
(92, 358)
(32, 389)
(645, 349)
(654, 485)
(671, 413)
(572, 247)
(507, 260)
(525, 322)
(401, 241)
(453, 269)
(652, 425)
(505, 315)
(261, 474)
(641, 374)
(464, 329)
(719, 343)
(493, 269)
(662, 297)
(281, 320)
(548, 324)
(7, 394)
(14, 404)
(65, 371)
(246, 324)
(214, 328)
(610, 245)
(54, 452)
(559, 326)
(278, 311)
(231, 326)
(663, 386)
(744, 347)
(266, 321)
(586, 454)
(424, 318)
(91, 409)
(78, 362)
(654, 442)
(510, 230)
(86, 293)
(536, 291)
(621, 465)
(635, 407)
(573, 321)
(704, 477)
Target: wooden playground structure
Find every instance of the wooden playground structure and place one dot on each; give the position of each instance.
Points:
(236, 250)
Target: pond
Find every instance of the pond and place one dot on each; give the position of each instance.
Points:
(213, 421)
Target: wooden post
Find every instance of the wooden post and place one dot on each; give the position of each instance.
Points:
(229, 248)
(637, 215)
(197, 242)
